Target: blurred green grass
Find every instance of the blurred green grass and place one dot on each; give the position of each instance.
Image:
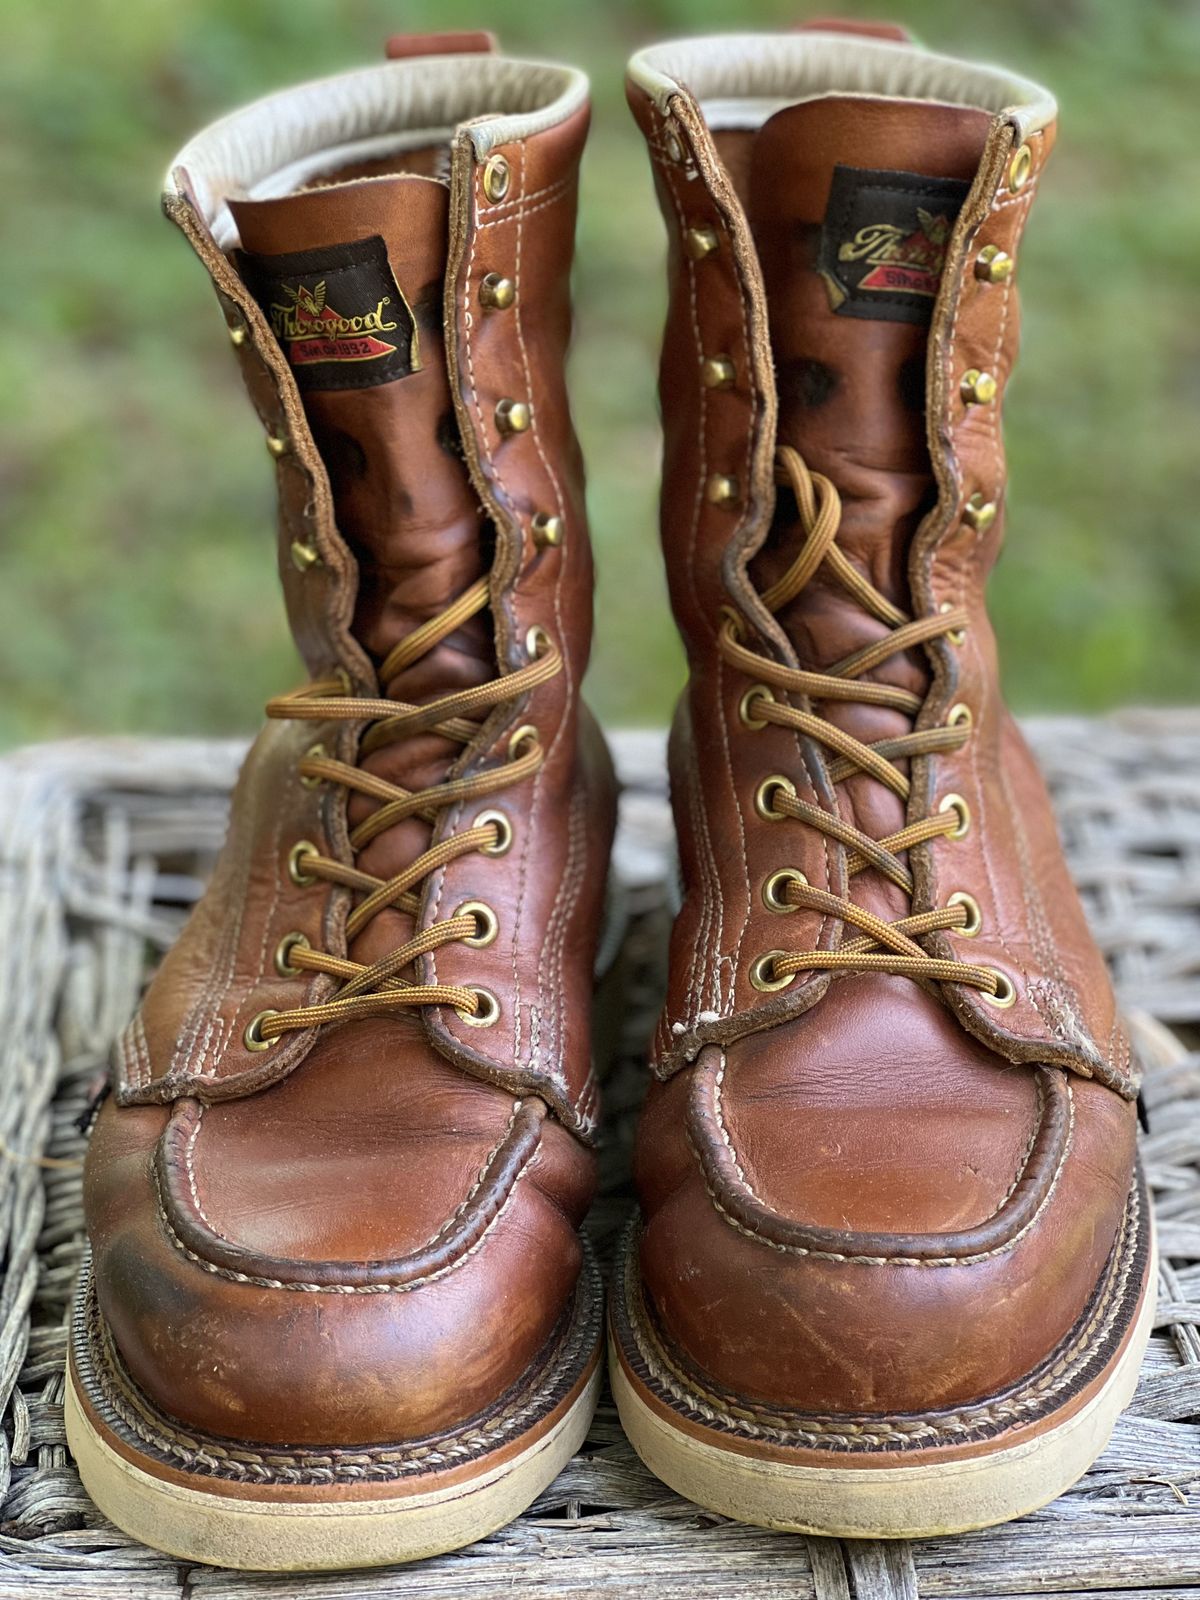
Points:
(137, 587)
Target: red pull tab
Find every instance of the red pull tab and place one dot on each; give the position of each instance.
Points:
(896, 32)
(403, 46)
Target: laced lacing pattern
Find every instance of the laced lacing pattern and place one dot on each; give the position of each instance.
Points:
(379, 988)
(880, 945)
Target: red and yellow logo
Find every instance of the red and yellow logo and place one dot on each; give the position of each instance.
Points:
(911, 263)
(315, 332)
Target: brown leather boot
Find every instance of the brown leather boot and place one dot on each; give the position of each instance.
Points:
(339, 1312)
(894, 1269)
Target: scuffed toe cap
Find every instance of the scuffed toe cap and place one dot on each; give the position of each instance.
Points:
(359, 1349)
(768, 1305)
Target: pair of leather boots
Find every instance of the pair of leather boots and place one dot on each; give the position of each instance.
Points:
(892, 1272)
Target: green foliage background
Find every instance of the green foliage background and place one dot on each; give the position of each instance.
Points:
(136, 575)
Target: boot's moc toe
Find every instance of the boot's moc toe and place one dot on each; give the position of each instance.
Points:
(893, 1273)
(338, 1311)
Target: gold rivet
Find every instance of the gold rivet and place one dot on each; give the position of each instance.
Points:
(977, 388)
(993, 265)
(526, 734)
(974, 921)
(537, 642)
(717, 372)
(547, 531)
(486, 921)
(497, 293)
(512, 416)
(700, 242)
(489, 1009)
(237, 334)
(278, 444)
(1019, 169)
(252, 1038)
(1005, 995)
(304, 556)
(955, 802)
(721, 490)
(756, 691)
(504, 832)
(764, 792)
(955, 635)
(774, 890)
(283, 950)
(496, 176)
(762, 972)
(673, 145)
(297, 855)
(960, 716)
(315, 752)
(979, 513)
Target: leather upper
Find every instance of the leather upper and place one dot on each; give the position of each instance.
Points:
(863, 1192)
(367, 1232)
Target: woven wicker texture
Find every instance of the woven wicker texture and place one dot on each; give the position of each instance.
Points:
(105, 845)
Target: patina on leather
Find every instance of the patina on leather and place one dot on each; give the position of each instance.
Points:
(326, 1209)
(868, 1189)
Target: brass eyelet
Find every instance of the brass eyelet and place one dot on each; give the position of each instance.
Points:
(537, 642)
(700, 242)
(526, 734)
(497, 176)
(773, 890)
(489, 1009)
(762, 969)
(289, 942)
(1019, 169)
(315, 752)
(955, 635)
(504, 832)
(278, 444)
(252, 1037)
(547, 531)
(755, 691)
(486, 920)
(974, 922)
(296, 855)
(673, 145)
(718, 372)
(513, 416)
(978, 388)
(762, 796)
(720, 489)
(955, 802)
(304, 556)
(960, 716)
(993, 265)
(496, 292)
(979, 512)
(1005, 995)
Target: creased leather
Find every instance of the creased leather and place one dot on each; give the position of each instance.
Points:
(863, 1193)
(367, 1233)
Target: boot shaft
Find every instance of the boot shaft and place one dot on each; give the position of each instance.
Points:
(411, 457)
(843, 218)
(391, 249)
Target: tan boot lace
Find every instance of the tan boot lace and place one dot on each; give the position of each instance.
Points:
(378, 989)
(884, 946)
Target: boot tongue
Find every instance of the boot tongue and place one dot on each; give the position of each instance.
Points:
(851, 202)
(351, 279)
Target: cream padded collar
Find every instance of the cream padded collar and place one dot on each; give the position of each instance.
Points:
(275, 145)
(742, 79)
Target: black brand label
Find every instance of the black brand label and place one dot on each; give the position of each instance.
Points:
(884, 241)
(338, 314)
